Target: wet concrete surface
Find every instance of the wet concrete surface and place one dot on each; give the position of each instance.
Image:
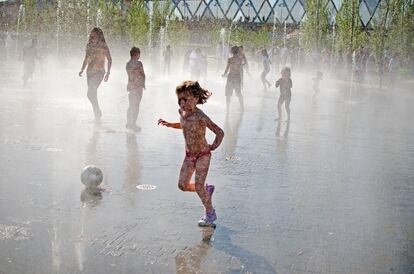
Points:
(329, 192)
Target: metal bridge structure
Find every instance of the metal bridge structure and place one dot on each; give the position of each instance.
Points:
(263, 11)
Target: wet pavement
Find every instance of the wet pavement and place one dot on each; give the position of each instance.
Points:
(331, 191)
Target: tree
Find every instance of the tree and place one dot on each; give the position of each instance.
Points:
(315, 27)
(113, 19)
(399, 27)
(161, 11)
(28, 23)
(349, 31)
(178, 33)
(137, 23)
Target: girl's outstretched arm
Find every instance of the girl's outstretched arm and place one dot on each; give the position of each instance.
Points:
(109, 58)
(218, 131)
(278, 83)
(85, 62)
(167, 124)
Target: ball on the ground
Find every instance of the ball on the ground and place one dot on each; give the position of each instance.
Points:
(91, 176)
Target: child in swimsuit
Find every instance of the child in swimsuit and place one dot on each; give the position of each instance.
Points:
(135, 87)
(96, 53)
(266, 69)
(233, 72)
(285, 84)
(194, 122)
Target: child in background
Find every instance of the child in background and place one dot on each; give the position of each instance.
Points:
(266, 69)
(135, 87)
(96, 53)
(194, 122)
(285, 84)
(233, 72)
(316, 81)
(167, 54)
(195, 62)
(29, 56)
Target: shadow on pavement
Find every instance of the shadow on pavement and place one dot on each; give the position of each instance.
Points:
(252, 263)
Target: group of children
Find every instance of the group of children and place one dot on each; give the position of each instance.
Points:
(97, 52)
(237, 63)
(193, 121)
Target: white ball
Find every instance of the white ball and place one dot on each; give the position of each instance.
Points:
(91, 176)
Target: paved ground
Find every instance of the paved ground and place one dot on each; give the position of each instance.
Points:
(330, 192)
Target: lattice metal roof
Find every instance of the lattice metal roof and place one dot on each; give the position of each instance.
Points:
(262, 11)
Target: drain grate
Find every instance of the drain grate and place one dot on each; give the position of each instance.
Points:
(146, 187)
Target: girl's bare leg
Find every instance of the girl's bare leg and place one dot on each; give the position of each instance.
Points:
(227, 103)
(287, 106)
(263, 78)
(241, 101)
(187, 170)
(202, 166)
(279, 107)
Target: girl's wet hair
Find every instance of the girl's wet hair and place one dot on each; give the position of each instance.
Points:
(234, 50)
(99, 33)
(195, 89)
(134, 50)
(286, 70)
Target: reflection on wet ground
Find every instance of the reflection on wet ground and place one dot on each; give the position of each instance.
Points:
(189, 260)
(329, 191)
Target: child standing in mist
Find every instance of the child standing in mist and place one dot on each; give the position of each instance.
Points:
(285, 84)
(29, 56)
(96, 53)
(233, 72)
(316, 81)
(135, 87)
(194, 122)
(167, 54)
(266, 68)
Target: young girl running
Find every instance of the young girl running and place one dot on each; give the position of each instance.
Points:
(285, 84)
(96, 53)
(194, 122)
(266, 69)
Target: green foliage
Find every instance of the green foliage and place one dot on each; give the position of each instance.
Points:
(315, 28)
(394, 28)
(399, 27)
(258, 38)
(113, 21)
(29, 24)
(378, 34)
(160, 13)
(408, 30)
(214, 34)
(349, 32)
(178, 33)
(393, 25)
(46, 21)
(137, 26)
(73, 16)
(64, 17)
